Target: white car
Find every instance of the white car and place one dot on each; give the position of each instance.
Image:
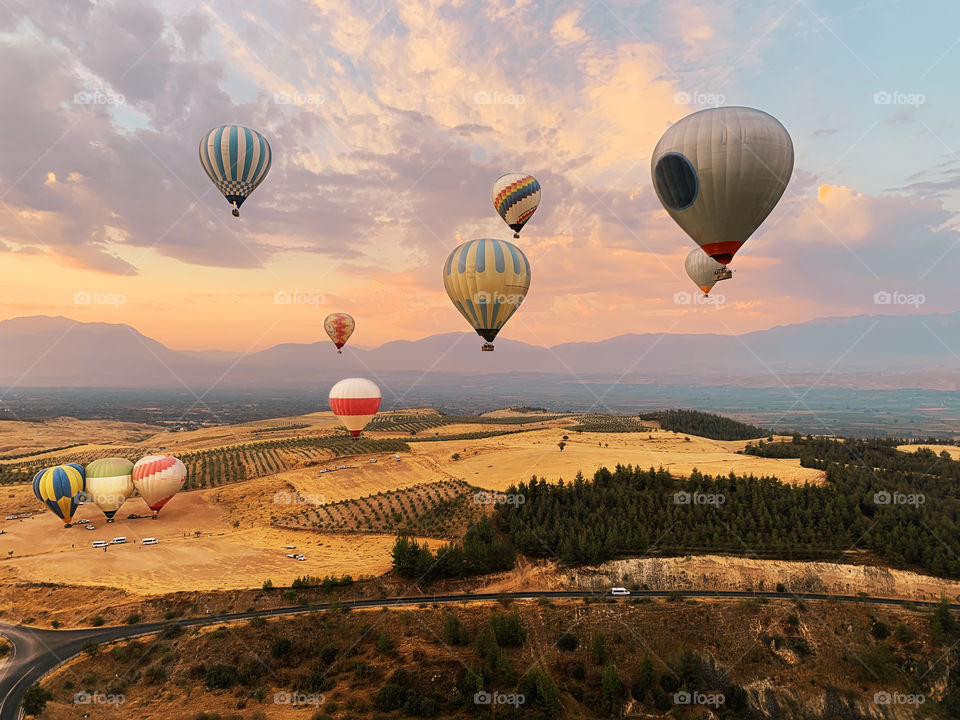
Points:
(373, 459)
(91, 527)
(292, 556)
(619, 591)
(289, 547)
(300, 557)
(342, 467)
(11, 517)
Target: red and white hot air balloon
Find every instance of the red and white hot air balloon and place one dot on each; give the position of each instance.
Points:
(158, 478)
(355, 401)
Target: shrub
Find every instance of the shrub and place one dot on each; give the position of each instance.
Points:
(221, 676)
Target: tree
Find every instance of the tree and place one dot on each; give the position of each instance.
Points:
(598, 649)
(35, 699)
(646, 679)
(612, 691)
(943, 626)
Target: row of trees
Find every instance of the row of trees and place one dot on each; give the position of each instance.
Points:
(715, 427)
(481, 551)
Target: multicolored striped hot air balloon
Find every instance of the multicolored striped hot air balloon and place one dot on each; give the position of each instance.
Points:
(704, 270)
(109, 484)
(57, 488)
(339, 327)
(158, 478)
(236, 159)
(516, 197)
(487, 280)
(355, 401)
(720, 172)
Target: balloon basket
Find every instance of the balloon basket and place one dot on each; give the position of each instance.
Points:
(723, 273)
(487, 347)
(339, 352)
(516, 236)
(109, 520)
(236, 212)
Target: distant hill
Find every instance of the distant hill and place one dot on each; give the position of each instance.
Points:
(862, 351)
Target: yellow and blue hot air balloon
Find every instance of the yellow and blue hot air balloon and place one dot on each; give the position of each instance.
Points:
(487, 280)
(516, 197)
(236, 159)
(58, 487)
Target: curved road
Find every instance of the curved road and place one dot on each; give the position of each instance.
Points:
(37, 651)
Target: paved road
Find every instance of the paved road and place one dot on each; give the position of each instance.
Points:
(38, 651)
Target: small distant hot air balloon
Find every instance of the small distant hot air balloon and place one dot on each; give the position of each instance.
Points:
(487, 280)
(339, 327)
(158, 478)
(109, 484)
(704, 270)
(355, 401)
(57, 487)
(236, 159)
(720, 172)
(516, 197)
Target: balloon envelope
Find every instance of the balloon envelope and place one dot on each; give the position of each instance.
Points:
(158, 478)
(236, 159)
(719, 173)
(702, 269)
(516, 197)
(57, 488)
(339, 327)
(109, 483)
(355, 401)
(487, 280)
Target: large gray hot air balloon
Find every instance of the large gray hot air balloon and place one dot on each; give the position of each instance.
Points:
(704, 270)
(719, 173)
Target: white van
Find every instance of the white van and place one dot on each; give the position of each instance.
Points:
(619, 591)
(118, 541)
(149, 541)
(99, 543)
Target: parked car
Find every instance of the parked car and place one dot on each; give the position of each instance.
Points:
(118, 540)
(99, 543)
(149, 541)
(91, 527)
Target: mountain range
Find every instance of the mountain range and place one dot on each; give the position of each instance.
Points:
(884, 351)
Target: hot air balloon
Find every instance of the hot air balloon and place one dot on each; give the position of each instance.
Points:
(719, 173)
(236, 159)
(109, 484)
(158, 478)
(339, 327)
(516, 197)
(704, 270)
(355, 401)
(487, 280)
(57, 487)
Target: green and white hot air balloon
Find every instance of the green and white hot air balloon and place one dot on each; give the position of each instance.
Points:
(109, 484)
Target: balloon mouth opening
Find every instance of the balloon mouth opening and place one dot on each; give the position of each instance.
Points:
(488, 335)
(723, 258)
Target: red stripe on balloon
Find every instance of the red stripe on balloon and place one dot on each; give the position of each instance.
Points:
(354, 406)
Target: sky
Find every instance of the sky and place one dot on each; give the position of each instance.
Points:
(389, 121)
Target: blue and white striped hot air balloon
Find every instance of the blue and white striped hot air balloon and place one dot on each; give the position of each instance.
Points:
(236, 159)
(487, 280)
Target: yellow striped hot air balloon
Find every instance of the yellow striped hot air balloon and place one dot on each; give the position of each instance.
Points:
(487, 280)
(58, 487)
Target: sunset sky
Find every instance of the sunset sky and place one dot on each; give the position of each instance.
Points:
(389, 121)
